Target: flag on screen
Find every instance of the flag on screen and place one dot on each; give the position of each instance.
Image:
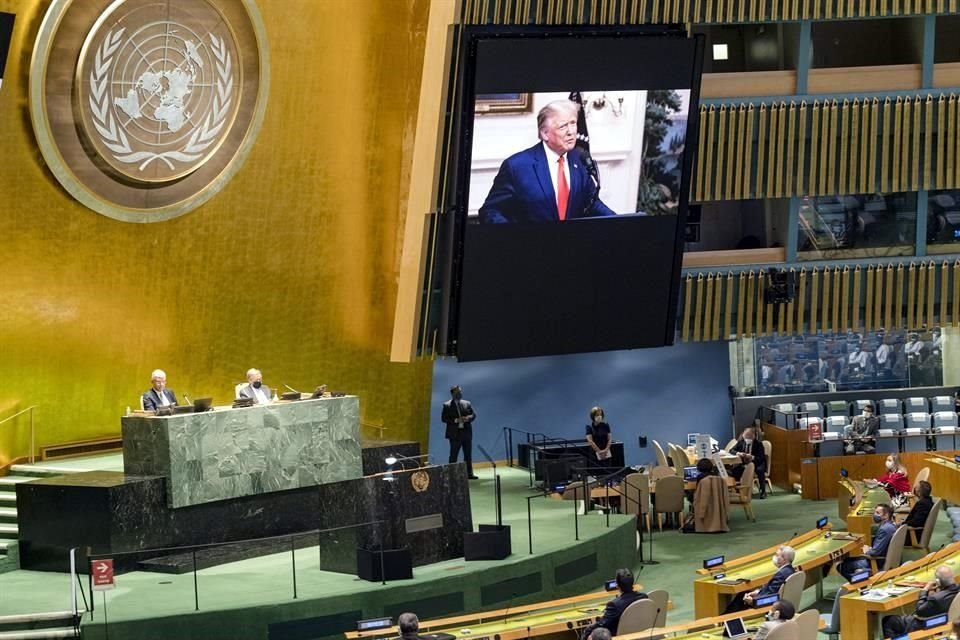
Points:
(583, 137)
(6, 33)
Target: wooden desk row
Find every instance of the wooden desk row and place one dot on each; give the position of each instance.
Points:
(814, 549)
(860, 612)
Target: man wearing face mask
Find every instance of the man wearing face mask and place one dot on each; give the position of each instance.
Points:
(780, 612)
(783, 561)
(934, 600)
(748, 449)
(860, 434)
(458, 416)
(255, 389)
(883, 517)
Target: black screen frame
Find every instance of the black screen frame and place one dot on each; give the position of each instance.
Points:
(460, 145)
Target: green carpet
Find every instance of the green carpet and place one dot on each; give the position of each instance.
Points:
(238, 596)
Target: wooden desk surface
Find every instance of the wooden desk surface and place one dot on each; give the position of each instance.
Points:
(709, 627)
(616, 490)
(859, 615)
(813, 548)
(540, 618)
(944, 476)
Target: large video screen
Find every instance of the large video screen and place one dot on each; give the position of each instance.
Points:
(571, 189)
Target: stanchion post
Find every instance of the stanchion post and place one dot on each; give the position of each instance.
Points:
(293, 565)
(196, 593)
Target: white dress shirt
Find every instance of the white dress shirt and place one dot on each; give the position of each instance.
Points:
(552, 159)
(259, 396)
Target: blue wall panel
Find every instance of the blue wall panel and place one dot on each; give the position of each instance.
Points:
(661, 393)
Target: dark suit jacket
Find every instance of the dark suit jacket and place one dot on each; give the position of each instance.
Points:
(756, 450)
(247, 391)
(918, 514)
(523, 190)
(449, 414)
(151, 399)
(610, 619)
(776, 581)
(933, 604)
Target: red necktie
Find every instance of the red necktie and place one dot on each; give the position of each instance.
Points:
(563, 190)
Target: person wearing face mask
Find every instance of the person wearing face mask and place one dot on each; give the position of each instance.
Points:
(934, 600)
(749, 449)
(883, 518)
(780, 612)
(860, 434)
(255, 389)
(858, 359)
(783, 560)
(896, 480)
(158, 396)
(458, 416)
(921, 508)
(599, 438)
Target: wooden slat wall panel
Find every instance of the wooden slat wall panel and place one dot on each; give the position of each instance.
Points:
(907, 295)
(614, 12)
(887, 146)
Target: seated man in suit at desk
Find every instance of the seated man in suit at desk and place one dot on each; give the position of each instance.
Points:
(600, 634)
(749, 449)
(780, 612)
(783, 561)
(610, 619)
(861, 433)
(409, 626)
(158, 396)
(882, 516)
(255, 388)
(935, 600)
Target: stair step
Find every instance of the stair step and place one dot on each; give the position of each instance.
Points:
(7, 530)
(8, 513)
(38, 634)
(42, 471)
(8, 498)
(45, 616)
(7, 483)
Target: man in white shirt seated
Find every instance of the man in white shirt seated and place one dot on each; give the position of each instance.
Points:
(255, 389)
(158, 396)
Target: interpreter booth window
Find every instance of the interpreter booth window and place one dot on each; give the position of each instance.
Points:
(866, 43)
(737, 225)
(848, 361)
(946, 39)
(744, 48)
(857, 226)
(943, 222)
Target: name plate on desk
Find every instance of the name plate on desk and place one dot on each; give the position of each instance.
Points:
(424, 523)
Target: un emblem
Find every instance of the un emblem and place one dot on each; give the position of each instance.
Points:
(163, 101)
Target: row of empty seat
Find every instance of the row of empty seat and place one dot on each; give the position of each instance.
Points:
(887, 406)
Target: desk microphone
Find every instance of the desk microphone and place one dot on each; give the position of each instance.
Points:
(933, 558)
(187, 398)
(289, 388)
(656, 617)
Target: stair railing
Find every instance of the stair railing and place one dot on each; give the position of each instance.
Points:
(33, 434)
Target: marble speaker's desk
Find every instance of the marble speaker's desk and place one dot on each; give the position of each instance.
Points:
(231, 453)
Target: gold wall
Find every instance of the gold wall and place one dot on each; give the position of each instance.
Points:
(291, 268)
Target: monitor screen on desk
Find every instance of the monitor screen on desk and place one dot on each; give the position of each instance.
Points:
(715, 561)
(822, 522)
(859, 577)
(935, 621)
(844, 473)
(374, 623)
(956, 458)
(734, 628)
(690, 473)
(766, 601)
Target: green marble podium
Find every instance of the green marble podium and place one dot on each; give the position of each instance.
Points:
(230, 453)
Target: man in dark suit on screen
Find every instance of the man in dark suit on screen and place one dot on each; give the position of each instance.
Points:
(610, 619)
(458, 416)
(549, 182)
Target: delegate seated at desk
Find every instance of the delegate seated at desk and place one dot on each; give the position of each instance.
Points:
(861, 433)
(748, 449)
(610, 619)
(917, 517)
(935, 600)
(783, 561)
(409, 626)
(883, 516)
(255, 389)
(780, 612)
(158, 395)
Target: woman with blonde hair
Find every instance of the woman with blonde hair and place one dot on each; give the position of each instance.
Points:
(896, 480)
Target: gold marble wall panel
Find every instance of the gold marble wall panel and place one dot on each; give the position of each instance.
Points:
(291, 268)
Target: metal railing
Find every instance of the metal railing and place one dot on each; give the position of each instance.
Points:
(33, 433)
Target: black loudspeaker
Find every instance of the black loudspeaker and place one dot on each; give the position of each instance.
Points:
(492, 542)
(643, 442)
(397, 564)
(553, 471)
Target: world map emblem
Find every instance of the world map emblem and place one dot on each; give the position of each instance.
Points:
(163, 99)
